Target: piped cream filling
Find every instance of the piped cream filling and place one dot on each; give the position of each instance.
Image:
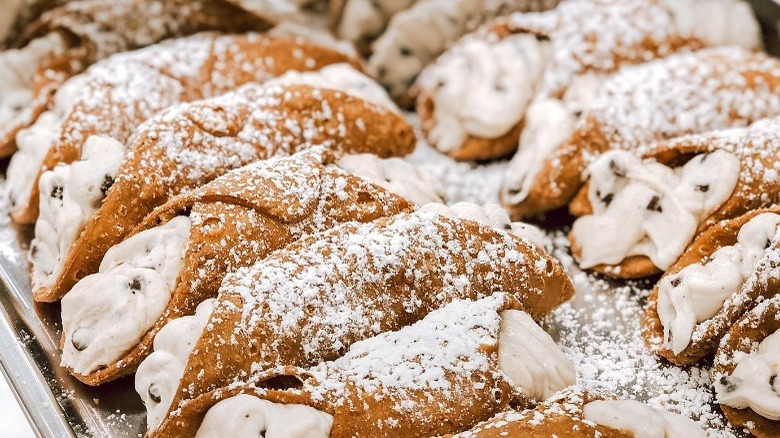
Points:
(106, 314)
(717, 23)
(342, 77)
(482, 88)
(698, 291)
(415, 37)
(642, 421)
(159, 374)
(395, 175)
(70, 194)
(34, 142)
(549, 122)
(754, 383)
(491, 215)
(644, 208)
(248, 416)
(18, 68)
(530, 359)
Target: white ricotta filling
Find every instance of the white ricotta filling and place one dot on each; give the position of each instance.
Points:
(648, 209)
(415, 37)
(530, 359)
(717, 23)
(642, 421)
(491, 215)
(549, 122)
(34, 142)
(18, 68)
(365, 19)
(698, 291)
(395, 175)
(754, 383)
(342, 77)
(106, 314)
(482, 88)
(70, 194)
(248, 416)
(159, 374)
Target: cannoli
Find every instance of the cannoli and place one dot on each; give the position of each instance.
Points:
(578, 413)
(118, 94)
(193, 240)
(189, 145)
(721, 275)
(310, 301)
(69, 38)
(557, 62)
(640, 214)
(685, 93)
(746, 367)
(458, 365)
(416, 36)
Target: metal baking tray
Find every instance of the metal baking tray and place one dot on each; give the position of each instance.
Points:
(57, 405)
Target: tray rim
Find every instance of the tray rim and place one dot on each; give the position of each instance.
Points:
(25, 378)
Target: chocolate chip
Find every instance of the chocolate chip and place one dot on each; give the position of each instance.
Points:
(508, 227)
(772, 381)
(405, 51)
(729, 383)
(154, 393)
(676, 281)
(135, 285)
(704, 188)
(33, 251)
(56, 192)
(616, 169)
(441, 83)
(108, 181)
(577, 113)
(655, 204)
(767, 244)
(76, 339)
(608, 199)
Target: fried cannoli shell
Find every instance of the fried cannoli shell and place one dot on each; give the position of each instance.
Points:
(414, 264)
(761, 283)
(364, 410)
(598, 130)
(560, 416)
(244, 216)
(742, 338)
(95, 29)
(116, 110)
(192, 144)
(473, 148)
(104, 27)
(756, 149)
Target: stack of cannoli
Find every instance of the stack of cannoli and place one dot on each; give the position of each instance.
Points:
(534, 73)
(402, 37)
(69, 38)
(309, 302)
(230, 216)
(191, 144)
